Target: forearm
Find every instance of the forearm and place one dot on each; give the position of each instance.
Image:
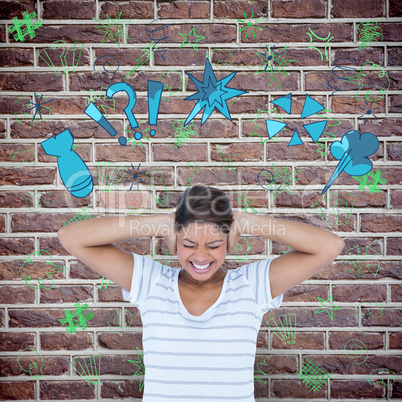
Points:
(299, 236)
(102, 231)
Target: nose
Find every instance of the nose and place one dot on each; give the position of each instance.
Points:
(201, 255)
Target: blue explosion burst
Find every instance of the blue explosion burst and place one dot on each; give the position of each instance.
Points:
(211, 94)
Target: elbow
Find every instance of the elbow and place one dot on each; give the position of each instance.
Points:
(338, 246)
(64, 236)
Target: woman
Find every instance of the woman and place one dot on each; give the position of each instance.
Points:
(200, 323)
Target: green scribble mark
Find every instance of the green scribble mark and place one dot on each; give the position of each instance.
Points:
(165, 251)
(244, 207)
(140, 366)
(140, 61)
(377, 179)
(183, 133)
(313, 376)
(191, 41)
(226, 161)
(112, 29)
(81, 320)
(369, 31)
(80, 216)
(259, 371)
(61, 44)
(287, 333)
(328, 309)
(115, 315)
(250, 24)
(221, 61)
(25, 101)
(285, 252)
(193, 173)
(89, 368)
(328, 39)
(354, 260)
(274, 63)
(159, 201)
(321, 142)
(370, 313)
(168, 88)
(30, 26)
(286, 178)
(108, 177)
(28, 365)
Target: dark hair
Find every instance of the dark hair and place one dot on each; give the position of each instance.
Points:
(202, 204)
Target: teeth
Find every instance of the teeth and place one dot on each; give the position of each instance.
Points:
(201, 266)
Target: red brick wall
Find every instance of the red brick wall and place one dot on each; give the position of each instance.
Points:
(29, 317)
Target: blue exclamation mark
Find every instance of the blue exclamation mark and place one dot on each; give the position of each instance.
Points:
(155, 89)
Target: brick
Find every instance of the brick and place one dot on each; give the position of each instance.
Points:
(52, 245)
(78, 57)
(389, 127)
(238, 152)
(27, 176)
(290, 388)
(17, 154)
(394, 56)
(359, 58)
(125, 57)
(17, 390)
(2, 34)
(24, 130)
(9, 104)
(395, 198)
(262, 340)
(30, 82)
(299, 9)
(277, 364)
(2, 129)
(392, 32)
(137, 246)
(183, 153)
(355, 293)
(2, 223)
(304, 57)
(121, 389)
(391, 318)
(348, 8)
(306, 317)
(16, 295)
(11, 341)
(14, 199)
(181, 57)
(373, 340)
(51, 365)
(395, 104)
(11, 9)
(356, 390)
(12, 57)
(96, 80)
(126, 341)
(78, 270)
(50, 390)
(306, 293)
(67, 294)
(112, 294)
(395, 340)
(61, 10)
(114, 152)
(236, 9)
(184, 9)
(16, 246)
(396, 293)
(49, 318)
(69, 33)
(395, 8)
(387, 223)
(397, 389)
(135, 10)
(123, 200)
(69, 105)
(285, 33)
(118, 364)
(304, 340)
(65, 341)
(34, 222)
(394, 151)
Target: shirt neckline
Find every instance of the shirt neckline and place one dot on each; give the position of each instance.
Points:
(207, 313)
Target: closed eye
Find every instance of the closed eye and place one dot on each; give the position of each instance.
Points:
(213, 248)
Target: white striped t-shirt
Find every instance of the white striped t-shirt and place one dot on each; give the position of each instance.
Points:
(200, 358)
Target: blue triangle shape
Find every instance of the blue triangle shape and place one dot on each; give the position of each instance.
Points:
(295, 140)
(273, 127)
(315, 129)
(310, 107)
(285, 102)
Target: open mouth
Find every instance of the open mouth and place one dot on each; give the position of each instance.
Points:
(201, 269)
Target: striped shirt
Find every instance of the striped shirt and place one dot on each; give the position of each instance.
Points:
(202, 358)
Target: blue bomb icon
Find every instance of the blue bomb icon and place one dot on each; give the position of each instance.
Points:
(72, 169)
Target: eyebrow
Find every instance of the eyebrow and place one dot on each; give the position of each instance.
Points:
(211, 242)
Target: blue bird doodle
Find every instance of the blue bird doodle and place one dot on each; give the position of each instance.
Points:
(352, 152)
(72, 169)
